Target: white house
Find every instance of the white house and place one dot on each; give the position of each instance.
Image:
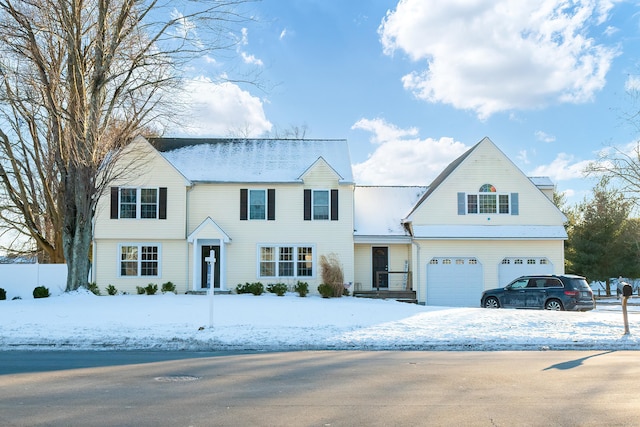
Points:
(230, 211)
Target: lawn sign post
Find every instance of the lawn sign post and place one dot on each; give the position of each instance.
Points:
(211, 267)
(627, 290)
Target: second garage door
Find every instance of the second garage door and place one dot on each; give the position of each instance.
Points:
(454, 282)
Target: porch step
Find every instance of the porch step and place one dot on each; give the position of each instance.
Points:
(402, 296)
(206, 292)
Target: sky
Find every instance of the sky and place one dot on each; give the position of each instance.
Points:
(82, 321)
(412, 84)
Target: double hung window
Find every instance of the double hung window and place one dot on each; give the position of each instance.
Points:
(142, 203)
(139, 260)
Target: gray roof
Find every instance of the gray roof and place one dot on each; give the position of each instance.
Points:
(253, 160)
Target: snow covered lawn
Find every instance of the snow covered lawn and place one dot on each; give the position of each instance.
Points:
(81, 320)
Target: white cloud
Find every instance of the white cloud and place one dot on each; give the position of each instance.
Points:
(250, 59)
(221, 109)
(383, 131)
(246, 57)
(564, 167)
(632, 84)
(489, 56)
(523, 156)
(544, 137)
(399, 160)
(283, 34)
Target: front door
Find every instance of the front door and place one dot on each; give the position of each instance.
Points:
(209, 253)
(380, 263)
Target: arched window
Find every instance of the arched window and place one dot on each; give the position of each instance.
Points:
(487, 188)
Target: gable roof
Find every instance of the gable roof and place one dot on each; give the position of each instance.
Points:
(253, 160)
(379, 210)
(443, 175)
(539, 182)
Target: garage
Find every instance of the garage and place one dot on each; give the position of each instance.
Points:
(454, 282)
(513, 267)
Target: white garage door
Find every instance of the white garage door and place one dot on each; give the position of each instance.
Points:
(514, 267)
(454, 282)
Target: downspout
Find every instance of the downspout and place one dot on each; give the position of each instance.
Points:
(418, 270)
(408, 226)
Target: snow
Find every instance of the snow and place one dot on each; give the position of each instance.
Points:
(379, 211)
(258, 160)
(81, 320)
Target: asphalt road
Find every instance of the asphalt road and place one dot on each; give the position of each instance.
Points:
(320, 388)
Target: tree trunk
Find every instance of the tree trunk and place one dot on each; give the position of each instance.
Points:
(78, 230)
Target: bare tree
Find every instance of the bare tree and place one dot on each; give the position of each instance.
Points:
(78, 80)
(623, 167)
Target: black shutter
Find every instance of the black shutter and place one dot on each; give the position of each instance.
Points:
(271, 204)
(162, 203)
(307, 205)
(114, 202)
(334, 205)
(243, 204)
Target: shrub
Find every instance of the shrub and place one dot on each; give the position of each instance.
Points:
(331, 272)
(93, 287)
(41, 292)
(302, 288)
(278, 288)
(111, 290)
(151, 289)
(325, 290)
(140, 290)
(255, 288)
(3, 294)
(168, 287)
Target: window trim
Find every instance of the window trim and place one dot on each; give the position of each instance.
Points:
(313, 204)
(294, 255)
(160, 203)
(498, 203)
(264, 205)
(139, 260)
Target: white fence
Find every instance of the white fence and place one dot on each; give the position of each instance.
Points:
(19, 280)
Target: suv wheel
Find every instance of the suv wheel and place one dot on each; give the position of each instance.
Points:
(491, 302)
(553, 304)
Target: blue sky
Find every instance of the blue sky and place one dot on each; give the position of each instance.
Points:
(412, 84)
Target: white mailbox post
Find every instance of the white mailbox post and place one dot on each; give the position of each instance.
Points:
(211, 268)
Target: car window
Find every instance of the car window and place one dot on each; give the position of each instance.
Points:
(552, 283)
(519, 284)
(580, 284)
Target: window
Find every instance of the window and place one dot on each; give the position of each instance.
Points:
(144, 203)
(320, 204)
(139, 260)
(286, 261)
(148, 203)
(257, 204)
(487, 201)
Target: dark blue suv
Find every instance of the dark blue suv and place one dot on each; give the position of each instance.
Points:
(551, 292)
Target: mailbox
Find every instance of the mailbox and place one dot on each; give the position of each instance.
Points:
(627, 290)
